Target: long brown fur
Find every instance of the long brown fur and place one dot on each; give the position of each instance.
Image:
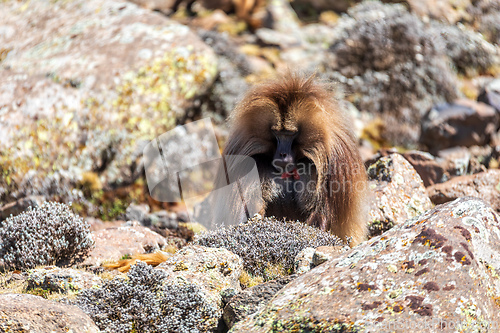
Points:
(325, 142)
(295, 103)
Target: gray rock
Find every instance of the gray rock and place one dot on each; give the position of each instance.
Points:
(89, 110)
(324, 253)
(29, 313)
(490, 94)
(164, 220)
(438, 269)
(303, 260)
(61, 280)
(138, 213)
(211, 269)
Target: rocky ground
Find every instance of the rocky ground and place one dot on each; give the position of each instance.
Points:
(85, 85)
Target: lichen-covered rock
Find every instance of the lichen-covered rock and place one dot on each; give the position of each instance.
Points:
(28, 313)
(399, 193)
(461, 123)
(84, 85)
(253, 299)
(309, 257)
(486, 17)
(441, 10)
(116, 242)
(433, 272)
(211, 269)
(61, 280)
(303, 260)
(148, 301)
(48, 234)
(230, 83)
(484, 185)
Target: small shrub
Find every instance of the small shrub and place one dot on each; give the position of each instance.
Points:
(268, 246)
(147, 302)
(49, 234)
(394, 65)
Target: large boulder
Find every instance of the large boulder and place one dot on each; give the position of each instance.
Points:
(83, 86)
(434, 272)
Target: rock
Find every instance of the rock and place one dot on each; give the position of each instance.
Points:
(88, 83)
(230, 83)
(441, 10)
(484, 185)
(490, 94)
(456, 160)
(165, 7)
(323, 5)
(19, 206)
(211, 269)
(281, 17)
(461, 123)
(164, 220)
(324, 253)
(61, 280)
(427, 167)
(438, 269)
(276, 38)
(303, 260)
(309, 257)
(29, 313)
(114, 243)
(253, 299)
(138, 213)
(399, 193)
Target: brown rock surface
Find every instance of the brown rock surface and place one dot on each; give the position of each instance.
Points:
(28, 313)
(461, 123)
(484, 185)
(427, 167)
(430, 274)
(399, 193)
(113, 243)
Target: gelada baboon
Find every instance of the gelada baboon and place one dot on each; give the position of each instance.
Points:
(306, 154)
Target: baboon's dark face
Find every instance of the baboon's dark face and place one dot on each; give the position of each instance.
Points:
(291, 135)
